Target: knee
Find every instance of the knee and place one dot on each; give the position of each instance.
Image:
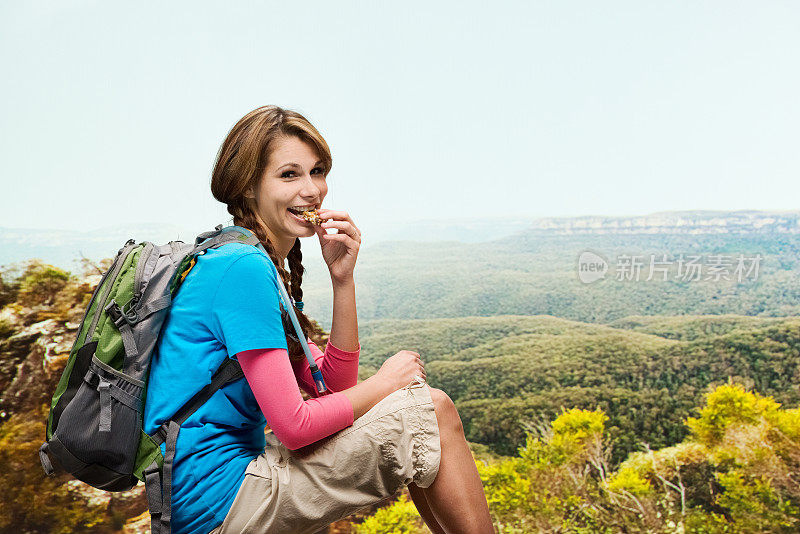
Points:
(446, 412)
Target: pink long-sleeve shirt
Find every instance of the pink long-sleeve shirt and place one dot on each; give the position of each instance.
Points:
(276, 383)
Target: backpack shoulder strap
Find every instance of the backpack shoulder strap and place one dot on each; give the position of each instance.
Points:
(158, 481)
(220, 236)
(229, 371)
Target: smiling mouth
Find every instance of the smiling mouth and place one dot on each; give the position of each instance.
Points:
(308, 215)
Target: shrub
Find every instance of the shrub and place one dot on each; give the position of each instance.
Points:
(8, 287)
(31, 501)
(726, 406)
(40, 283)
(400, 517)
(629, 480)
(6, 329)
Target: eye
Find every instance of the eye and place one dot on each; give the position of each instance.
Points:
(288, 174)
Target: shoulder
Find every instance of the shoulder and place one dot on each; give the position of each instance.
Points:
(237, 258)
(242, 271)
(230, 266)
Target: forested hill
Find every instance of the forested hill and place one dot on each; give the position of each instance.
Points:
(536, 273)
(464, 269)
(688, 328)
(505, 373)
(646, 374)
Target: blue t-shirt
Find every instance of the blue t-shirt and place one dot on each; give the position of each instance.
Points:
(227, 304)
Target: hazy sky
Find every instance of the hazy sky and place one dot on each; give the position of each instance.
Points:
(112, 112)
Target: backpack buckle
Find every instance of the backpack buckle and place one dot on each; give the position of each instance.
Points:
(129, 312)
(115, 314)
(119, 316)
(207, 235)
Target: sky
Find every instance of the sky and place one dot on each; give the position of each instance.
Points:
(112, 113)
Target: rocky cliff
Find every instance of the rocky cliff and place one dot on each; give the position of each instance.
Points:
(37, 329)
(41, 312)
(673, 222)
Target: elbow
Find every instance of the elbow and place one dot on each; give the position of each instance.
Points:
(343, 381)
(290, 440)
(338, 386)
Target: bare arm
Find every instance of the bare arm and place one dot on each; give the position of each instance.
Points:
(362, 396)
(367, 394)
(344, 324)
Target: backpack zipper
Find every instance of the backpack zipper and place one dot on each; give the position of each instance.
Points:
(114, 271)
(94, 294)
(137, 277)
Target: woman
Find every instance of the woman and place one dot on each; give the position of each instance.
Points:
(328, 456)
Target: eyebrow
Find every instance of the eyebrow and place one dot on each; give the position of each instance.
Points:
(292, 164)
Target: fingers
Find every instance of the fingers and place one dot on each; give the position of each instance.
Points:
(337, 218)
(331, 214)
(418, 360)
(344, 227)
(344, 238)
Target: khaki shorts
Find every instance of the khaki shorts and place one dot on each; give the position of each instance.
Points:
(284, 491)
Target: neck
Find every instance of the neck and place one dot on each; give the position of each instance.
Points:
(282, 249)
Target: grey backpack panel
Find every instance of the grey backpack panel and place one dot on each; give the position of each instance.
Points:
(95, 423)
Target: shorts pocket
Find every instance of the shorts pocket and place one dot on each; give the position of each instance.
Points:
(261, 465)
(427, 444)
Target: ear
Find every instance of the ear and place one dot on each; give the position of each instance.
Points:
(249, 193)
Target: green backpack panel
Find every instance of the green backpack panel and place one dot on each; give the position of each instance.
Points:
(94, 428)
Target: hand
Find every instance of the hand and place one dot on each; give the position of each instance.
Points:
(340, 249)
(401, 369)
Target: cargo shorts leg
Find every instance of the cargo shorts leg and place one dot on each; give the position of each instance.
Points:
(393, 444)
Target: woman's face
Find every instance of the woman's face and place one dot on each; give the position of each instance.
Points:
(293, 177)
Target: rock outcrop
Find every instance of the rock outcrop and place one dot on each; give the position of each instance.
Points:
(35, 342)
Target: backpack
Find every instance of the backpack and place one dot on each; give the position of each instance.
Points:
(94, 428)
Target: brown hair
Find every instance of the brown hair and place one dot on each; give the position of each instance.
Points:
(240, 164)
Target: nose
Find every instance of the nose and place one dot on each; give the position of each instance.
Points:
(310, 188)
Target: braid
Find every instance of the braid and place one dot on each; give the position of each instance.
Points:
(246, 218)
(295, 259)
(239, 167)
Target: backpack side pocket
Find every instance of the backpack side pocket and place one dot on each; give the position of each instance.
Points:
(101, 428)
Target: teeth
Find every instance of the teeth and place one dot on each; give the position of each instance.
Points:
(302, 208)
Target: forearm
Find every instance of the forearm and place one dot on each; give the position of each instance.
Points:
(367, 394)
(344, 325)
